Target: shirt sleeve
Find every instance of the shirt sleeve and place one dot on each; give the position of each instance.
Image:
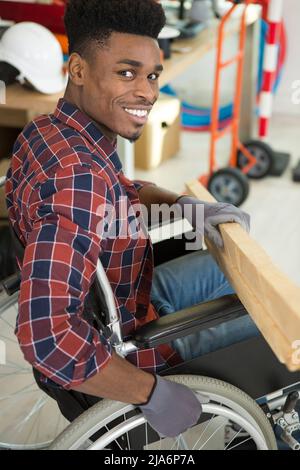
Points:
(59, 267)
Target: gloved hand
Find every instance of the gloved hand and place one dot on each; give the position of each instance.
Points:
(172, 408)
(214, 214)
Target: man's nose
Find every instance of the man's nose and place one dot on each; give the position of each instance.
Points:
(146, 90)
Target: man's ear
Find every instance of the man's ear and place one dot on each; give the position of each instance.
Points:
(77, 69)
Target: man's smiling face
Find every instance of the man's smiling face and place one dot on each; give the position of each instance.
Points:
(121, 84)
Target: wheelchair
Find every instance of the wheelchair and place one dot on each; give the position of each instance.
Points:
(250, 403)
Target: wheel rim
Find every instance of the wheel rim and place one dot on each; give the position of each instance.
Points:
(226, 188)
(201, 435)
(261, 168)
(29, 418)
(222, 413)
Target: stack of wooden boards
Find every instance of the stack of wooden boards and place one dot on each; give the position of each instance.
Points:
(270, 297)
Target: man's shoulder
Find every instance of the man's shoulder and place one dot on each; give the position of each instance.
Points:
(49, 139)
(49, 129)
(48, 148)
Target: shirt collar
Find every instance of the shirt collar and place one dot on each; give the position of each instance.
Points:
(70, 115)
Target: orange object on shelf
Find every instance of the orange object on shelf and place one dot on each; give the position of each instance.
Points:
(63, 41)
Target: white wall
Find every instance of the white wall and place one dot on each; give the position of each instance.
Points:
(283, 100)
(196, 84)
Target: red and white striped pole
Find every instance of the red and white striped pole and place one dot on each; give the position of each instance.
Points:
(274, 19)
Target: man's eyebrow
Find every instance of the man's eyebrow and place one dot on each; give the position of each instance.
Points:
(135, 63)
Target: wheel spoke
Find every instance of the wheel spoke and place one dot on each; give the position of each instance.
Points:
(28, 419)
(215, 431)
(23, 390)
(206, 427)
(234, 437)
(240, 443)
(146, 433)
(7, 323)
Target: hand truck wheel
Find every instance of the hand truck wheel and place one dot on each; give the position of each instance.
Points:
(229, 185)
(264, 156)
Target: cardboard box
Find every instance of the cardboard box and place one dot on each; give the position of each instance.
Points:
(161, 136)
(4, 165)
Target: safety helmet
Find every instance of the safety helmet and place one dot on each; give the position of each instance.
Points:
(36, 53)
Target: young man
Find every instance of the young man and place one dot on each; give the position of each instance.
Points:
(64, 168)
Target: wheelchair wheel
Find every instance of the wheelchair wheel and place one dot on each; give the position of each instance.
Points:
(29, 418)
(230, 420)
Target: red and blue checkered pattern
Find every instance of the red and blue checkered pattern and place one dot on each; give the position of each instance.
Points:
(62, 170)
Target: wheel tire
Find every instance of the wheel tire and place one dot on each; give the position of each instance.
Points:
(107, 410)
(229, 185)
(264, 155)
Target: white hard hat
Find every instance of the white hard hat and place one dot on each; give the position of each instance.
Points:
(36, 53)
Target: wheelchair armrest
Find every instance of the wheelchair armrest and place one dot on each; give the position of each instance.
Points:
(188, 321)
(12, 283)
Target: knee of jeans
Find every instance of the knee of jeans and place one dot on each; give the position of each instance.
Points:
(240, 329)
(224, 288)
(162, 308)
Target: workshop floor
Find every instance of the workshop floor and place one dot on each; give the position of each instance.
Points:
(273, 203)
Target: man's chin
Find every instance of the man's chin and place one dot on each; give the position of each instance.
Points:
(131, 137)
(134, 138)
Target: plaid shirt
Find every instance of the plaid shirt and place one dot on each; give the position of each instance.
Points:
(63, 169)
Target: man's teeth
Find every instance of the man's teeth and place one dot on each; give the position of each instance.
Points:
(137, 112)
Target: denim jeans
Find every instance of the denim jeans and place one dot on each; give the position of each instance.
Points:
(192, 279)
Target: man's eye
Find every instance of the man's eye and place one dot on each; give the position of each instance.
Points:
(153, 76)
(126, 73)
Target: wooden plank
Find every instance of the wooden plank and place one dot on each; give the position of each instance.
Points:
(270, 297)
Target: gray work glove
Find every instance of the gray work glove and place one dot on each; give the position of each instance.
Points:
(172, 408)
(214, 214)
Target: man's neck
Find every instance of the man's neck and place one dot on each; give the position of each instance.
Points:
(74, 99)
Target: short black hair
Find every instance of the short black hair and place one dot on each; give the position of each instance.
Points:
(89, 21)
